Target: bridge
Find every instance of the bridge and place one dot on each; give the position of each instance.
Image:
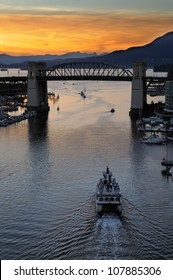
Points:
(82, 71)
(88, 71)
(69, 71)
(38, 75)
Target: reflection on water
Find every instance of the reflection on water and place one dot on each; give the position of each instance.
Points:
(49, 169)
(38, 128)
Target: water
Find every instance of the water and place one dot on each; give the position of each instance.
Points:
(49, 170)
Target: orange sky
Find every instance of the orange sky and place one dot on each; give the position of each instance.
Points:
(22, 34)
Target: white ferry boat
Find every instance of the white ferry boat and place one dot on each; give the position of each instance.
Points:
(108, 197)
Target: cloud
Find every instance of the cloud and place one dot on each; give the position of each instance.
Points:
(37, 10)
(66, 31)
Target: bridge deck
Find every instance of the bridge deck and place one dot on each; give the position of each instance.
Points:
(81, 77)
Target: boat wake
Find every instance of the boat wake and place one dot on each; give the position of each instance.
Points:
(107, 236)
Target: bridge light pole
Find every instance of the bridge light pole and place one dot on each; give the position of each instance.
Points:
(36, 89)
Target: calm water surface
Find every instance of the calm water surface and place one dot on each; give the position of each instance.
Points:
(50, 167)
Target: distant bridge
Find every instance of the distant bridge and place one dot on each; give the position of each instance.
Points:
(88, 71)
(36, 82)
(69, 71)
(100, 72)
(82, 71)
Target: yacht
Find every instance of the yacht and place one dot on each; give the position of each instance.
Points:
(108, 197)
(153, 139)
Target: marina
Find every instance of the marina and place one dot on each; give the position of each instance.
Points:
(154, 124)
(6, 119)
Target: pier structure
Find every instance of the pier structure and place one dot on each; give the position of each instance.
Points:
(37, 94)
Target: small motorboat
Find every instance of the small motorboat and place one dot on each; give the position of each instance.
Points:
(83, 94)
(112, 110)
(108, 197)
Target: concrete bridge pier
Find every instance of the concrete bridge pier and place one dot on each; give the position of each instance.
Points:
(138, 94)
(37, 90)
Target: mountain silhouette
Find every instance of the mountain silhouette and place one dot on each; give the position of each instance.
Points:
(157, 52)
(22, 61)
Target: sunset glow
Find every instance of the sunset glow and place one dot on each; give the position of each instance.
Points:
(52, 31)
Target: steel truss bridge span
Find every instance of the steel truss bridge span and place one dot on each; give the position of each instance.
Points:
(82, 71)
(87, 71)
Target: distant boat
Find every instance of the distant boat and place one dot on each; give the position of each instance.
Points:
(153, 139)
(168, 167)
(171, 171)
(152, 120)
(51, 94)
(167, 163)
(83, 94)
